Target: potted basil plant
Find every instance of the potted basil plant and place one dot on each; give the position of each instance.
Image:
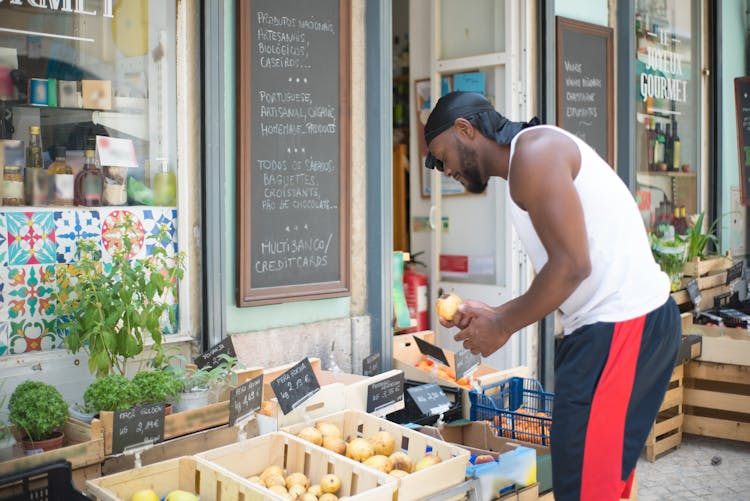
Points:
(39, 411)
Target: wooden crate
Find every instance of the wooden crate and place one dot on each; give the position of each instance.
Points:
(717, 400)
(186, 473)
(406, 355)
(186, 445)
(666, 433)
(250, 457)
(700, 267)
(420, 484)
(83, 447)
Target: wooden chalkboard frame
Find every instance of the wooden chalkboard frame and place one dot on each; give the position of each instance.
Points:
(246, 293)
(744, 170)
(598, 33)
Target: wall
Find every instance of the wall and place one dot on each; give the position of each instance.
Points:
(271, 335)
(591, 11)
(733, 66)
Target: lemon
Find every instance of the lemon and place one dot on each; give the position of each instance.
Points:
(144, 495)
(179, 495)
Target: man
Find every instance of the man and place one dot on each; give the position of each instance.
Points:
(586, 240)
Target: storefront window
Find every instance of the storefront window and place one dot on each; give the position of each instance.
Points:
(668, 111)
(87, 140)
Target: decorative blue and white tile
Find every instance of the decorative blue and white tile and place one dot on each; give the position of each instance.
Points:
(114, 226)
(35, 334)
(4, 317)
(157, 221)
(31, 237)
(74, 225)
(3, 241)
(30, 292)
(4, 337)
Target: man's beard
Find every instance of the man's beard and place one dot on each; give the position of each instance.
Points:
(470, 177)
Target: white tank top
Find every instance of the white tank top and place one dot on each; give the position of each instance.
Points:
(625, 281)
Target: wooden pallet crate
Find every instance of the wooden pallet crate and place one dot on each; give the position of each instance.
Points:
(717, 400)
(417, 485)
(250, 457)
(666, 433)
(700, 267)
(186, 473)
(83, 447)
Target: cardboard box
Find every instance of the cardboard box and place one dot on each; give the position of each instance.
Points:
(477, 438)
(406, 355)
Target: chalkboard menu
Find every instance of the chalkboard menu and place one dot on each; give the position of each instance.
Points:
(381, 394)
(137, 425)
(742, 112)
(371, 364)
(584, 84)
(212, 357)
(295, 386)
(245, 398)
(430, 399)
(293, 130)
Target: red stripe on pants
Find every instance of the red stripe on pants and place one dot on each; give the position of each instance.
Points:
(602, 455)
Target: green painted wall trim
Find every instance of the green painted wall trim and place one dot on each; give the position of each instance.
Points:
(260, 317)
(591, 11)
(733, 66)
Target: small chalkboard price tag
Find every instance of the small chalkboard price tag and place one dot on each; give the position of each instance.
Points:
(430, 399)
(211, 357)
(139, 424)
(694, 292)
(245, 398)
(434, 352)
(466, 363)
(371, 365)
(735, 272)
(382, 394)
(295, 386)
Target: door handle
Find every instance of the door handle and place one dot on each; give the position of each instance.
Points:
(431, 217)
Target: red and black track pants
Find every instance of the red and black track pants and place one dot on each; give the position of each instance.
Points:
(610, 380)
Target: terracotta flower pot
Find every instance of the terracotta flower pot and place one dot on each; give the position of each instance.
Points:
(45, 445)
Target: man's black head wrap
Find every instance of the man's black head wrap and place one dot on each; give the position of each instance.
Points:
(478, 111)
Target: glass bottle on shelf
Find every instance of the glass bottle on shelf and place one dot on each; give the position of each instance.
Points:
(35, 182)
(650, 137)
(61, 179)
(675, 148)
(89, 182)
(659, 140)
(165, 185)
(12, 185)
(668, 147)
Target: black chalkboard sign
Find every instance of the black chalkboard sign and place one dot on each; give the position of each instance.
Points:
(295, 386)
(430, 399)
(742, 114)
(245, 398)
(466, 363)
(212, 356)
(381, 394)
(293, 130)
(585, 84)
(694, 292)
(434, 352)
(137, 425)
(735, 272)
(371, 364)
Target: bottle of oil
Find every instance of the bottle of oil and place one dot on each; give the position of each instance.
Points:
(61, 179)
(89, 182)
(35, 178)
(165, 185)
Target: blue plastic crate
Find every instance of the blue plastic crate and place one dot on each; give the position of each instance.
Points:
(516, 408)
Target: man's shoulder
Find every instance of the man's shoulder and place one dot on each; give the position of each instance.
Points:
(535, 140)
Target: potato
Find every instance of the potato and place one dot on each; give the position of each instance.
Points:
(383, 443)
(330, 483)
(335, 444)
(297, 478)
(311, 434)
(401, 461)
(379, 462)
(315, 490)
(447, 306)
(328, 429)
(359, 449)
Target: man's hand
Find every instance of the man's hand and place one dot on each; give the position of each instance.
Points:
(481, 328)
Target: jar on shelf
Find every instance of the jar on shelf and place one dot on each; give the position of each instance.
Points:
(165, 185)
(12, 191)
(115, 192)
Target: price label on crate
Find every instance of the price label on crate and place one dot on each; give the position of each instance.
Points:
(382, 394)
(245, 399)
(466, 363)
(735, 272)
(371, 365)
(137, 425)
(212, 356)
(295, 386)
(430, 399)
(694, 292)
(430, 350)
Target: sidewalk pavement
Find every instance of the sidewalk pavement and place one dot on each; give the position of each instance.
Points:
(689, 472)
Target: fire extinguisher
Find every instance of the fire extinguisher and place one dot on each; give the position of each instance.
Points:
(415, 290)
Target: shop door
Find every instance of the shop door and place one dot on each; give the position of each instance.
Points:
(478, 255)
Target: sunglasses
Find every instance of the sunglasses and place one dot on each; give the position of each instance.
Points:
(433, 163)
